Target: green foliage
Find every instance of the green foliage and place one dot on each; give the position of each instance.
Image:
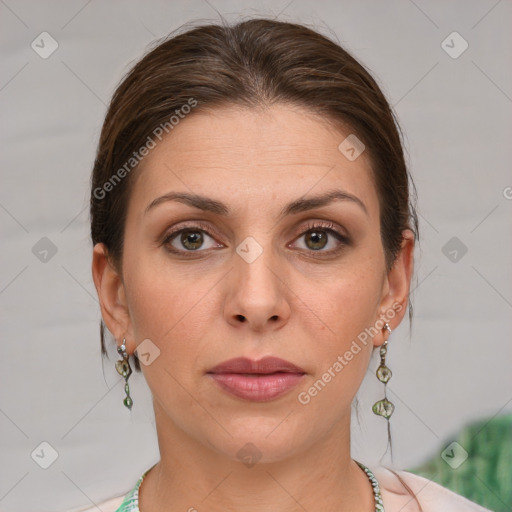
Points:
(485, 477)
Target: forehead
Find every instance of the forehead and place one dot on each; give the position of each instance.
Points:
(253, 156)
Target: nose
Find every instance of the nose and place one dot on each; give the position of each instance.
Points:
(257, 295)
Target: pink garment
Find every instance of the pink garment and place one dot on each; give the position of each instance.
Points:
(432, 496)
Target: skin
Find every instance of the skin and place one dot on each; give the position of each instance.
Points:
(294, 302)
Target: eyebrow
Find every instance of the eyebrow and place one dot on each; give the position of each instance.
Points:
(219, 208)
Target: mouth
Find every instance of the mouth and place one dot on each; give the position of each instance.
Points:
(258, 381)
(267, 365)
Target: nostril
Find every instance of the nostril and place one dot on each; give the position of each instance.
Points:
(241, 318)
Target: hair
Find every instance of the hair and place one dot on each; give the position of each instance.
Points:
(253, 63)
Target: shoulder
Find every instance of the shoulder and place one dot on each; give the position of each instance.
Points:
(106, 506)
(432, 496)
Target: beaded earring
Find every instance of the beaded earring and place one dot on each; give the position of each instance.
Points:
(124, 369)
(384, 407)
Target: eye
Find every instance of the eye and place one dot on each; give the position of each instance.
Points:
(318, 236)
(191, 238)
(198, 238)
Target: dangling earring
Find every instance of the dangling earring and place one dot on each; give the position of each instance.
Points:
(124, 369)
(384, 407)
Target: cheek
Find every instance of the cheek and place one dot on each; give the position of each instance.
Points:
(341, 314)
(162, 297)
(168, 312)
(346, 302)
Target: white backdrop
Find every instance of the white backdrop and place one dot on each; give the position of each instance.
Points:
(454, 104)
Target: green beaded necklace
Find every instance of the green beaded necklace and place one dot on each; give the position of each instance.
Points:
(131, 501)
(379, 505)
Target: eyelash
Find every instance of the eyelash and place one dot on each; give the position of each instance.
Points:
(198, 226)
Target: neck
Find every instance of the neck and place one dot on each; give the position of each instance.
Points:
(190, 475)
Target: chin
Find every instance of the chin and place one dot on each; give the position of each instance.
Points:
(262, 441)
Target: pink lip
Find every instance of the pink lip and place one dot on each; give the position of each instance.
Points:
(258, 381)
(266, 365)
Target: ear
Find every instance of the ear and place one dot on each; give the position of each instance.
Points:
(395, 292)
(111, 294)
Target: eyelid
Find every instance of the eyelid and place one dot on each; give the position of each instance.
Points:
(329, 227)
(326, 225)
(193, 224)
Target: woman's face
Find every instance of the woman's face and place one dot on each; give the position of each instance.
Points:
(249, 280)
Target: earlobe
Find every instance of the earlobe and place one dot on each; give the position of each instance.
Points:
(397, 285)
(111, 294)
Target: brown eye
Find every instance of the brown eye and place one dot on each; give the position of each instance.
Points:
(316, 239)
(191, 239)
(323, 238)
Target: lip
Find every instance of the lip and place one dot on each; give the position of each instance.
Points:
(265, 365)
(258, 381)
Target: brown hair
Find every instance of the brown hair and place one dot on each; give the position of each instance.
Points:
(257, 62)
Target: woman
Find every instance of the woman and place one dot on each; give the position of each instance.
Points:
(253, 243)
